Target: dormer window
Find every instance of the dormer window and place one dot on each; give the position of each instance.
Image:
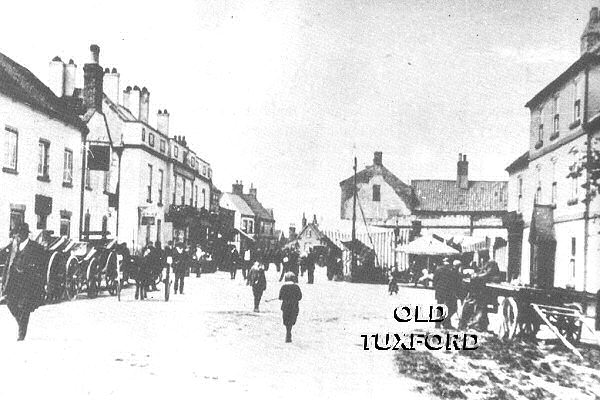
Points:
(151, 139)
(176, 151)
(577, 110)
(540, 140)
(143, 134)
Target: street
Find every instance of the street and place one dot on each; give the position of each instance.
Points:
(208, 341)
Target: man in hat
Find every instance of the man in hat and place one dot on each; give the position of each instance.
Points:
(24, 287)
(446, 282)
(179, 267)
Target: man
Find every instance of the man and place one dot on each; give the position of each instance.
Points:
(258, 282)
(247, 263)
(446, 282)
(24, 286)
(179, 267)
(234, 259)
(474, 315)
(311, 259)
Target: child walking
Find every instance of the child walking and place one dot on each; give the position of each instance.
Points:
(290, 294)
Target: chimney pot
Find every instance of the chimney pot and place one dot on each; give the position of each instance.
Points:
(57, 58)
(378, 158)
(95, 53)
(107, 70)
(162, 122)
(114, 70)
(57, 76)
(70, 77)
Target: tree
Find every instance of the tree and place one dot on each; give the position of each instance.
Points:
(587, 163)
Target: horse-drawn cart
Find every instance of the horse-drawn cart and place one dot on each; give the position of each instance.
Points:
(524, 309)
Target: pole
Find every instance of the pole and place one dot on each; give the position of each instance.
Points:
(353, 263)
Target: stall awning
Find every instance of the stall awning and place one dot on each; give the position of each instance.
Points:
(429, 246)
(542, 224)
(471, 244)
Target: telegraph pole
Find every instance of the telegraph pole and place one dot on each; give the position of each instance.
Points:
(353, 264)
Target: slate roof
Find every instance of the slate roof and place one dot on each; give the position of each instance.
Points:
(257, 208)
(446, 196)
(241, 204)
(403, 190)
(20, 84)
(519, 164)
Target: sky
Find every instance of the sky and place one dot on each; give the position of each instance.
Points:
(283, 94)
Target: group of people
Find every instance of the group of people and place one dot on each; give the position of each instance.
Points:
(451, 281)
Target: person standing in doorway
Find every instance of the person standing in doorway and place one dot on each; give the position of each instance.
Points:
(24, 284)
(290, 295)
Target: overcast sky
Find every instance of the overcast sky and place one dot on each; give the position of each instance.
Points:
(283, 93)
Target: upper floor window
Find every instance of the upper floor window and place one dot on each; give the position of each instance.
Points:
(149, 195)
(44, 158)
(193, 162)
(376, 193)
(151, 139)
(576, 102)
(163, 145)
(68, 167)
(556, 123)
(204, 198)
(143, 134)
(176, 151)
(520, 192)
(161, 178)
(540, 132)
(11, 140)
(538, 195)
(574, 189)
(106, 181)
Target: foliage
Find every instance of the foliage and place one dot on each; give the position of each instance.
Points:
(590, 164)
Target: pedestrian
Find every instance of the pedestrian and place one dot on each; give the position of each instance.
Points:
(290, 295)
(234, 260)
(394, 278)
(246, 263)
(310, 266)
(199, 256)
(179, 267)
(141, 278)
(24, 278)
(258, 281)
(446, 282)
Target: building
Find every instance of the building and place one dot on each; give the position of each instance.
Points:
(254, 223)
(453, 208)
(42, 155)
(553, 228)
(151, 186)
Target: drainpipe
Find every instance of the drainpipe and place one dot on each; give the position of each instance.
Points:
(586, 213)
(82, 191)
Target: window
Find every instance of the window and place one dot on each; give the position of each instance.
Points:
(520, 192)
(163, 145)
(556, 124)
(143, 134)
(11, 140)
(158, 230)
(538, 192)
(17, 217)
(106, 181)
(193, 162)
(573, 246)
(149, 195)
(576, 103)
(554, 183)
(204, 170)
(376, 193)
(245, 226)
(104, 226)
(574, 189)
(251, 226)
(88, 179)
(161, 177)
(151, 139)
(44, 155)
(65, 226)
(541, 133)
(176, 151)
(554, 190)
(204, 198)
(196, 196)
(538, 195)
(68, 168)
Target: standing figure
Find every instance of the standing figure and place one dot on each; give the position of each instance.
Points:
(474, 315)
(234, 260)
(290, 295)
(258, 281)
(24, 278)
(141, 278)
(246, 263)
(179, 267)
(394, 278)
(311, 259)
(446, 283)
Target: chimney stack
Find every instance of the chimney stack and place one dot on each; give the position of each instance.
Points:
(591, 34)
(134, 102)
(111, 84)
(93, 77)
(162, 122)
(126, 95)
(462, 172)
(378, 158)
(237, 188)
(144, 105)
(57, 76)
(303, 220)
(70, 76)
(292, 232)
(252, 191)
(314, 221)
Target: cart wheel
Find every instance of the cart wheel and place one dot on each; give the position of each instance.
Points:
(92, 279)
(510, 315)
(70, 288)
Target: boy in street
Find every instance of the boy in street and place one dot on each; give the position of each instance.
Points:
(258, 281)
(290, 295)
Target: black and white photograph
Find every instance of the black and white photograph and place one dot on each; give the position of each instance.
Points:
(300, 199)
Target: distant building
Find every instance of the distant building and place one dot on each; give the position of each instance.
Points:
(255, 224)
(42, 155)
(554, 235)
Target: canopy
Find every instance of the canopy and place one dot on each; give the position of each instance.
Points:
(428, 245)
(470, 244)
